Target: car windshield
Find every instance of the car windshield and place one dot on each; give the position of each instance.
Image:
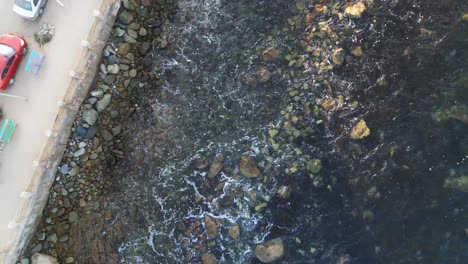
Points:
(25, 4)
(6, 51)
(4, 73)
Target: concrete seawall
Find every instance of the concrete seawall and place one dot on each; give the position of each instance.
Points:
(81, 78)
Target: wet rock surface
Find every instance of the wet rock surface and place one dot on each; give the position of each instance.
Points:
(78, 225)
(271, 251)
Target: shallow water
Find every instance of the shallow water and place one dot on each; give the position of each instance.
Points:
(377, 200)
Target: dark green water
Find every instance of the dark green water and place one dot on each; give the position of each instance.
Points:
(381, 199)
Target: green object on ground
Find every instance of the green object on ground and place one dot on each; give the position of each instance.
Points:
(8, 127)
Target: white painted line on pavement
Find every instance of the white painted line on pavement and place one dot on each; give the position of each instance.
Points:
(14, 96)
(60, 3)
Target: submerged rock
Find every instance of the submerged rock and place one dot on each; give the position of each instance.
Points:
(209, 259)
(270, 54)
(248, 168)
(271, 251)
(234, 232)
(457, 112)
(360, 131)
(338, 56)
(314, 165)
(212, 226)
(460, 183)
(355, 9)
(357, 52)
(262, 74)
(284, 192)
(216, 167)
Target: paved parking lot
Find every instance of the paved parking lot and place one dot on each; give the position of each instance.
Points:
(36, 115)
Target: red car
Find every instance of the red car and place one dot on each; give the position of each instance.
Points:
(12, 50)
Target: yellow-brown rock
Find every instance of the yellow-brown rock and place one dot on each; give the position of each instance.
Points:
(338, 56)
(209, 259)
(248, 168)
(355, 9)
(360, 131)
(212, 226)
(262, 74)
(234, 232)
(270, 54)
(329, 104)
(309, 18)
(216, 167)
(357, 52)
(271, 251)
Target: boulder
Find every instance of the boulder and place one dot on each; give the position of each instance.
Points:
(133, 26)
(145, 2)
(270, 54)
(128, 4)
(262, 74)
(102, 104)
(90, 116)
(90, 132)
(39, 258)
(143, 32)
(112, 59)
(132, 33)
(72, 217)
(212, 226)
(80, 131)
(284, 192)
(216, 167)
(338, 56)
(132, 73)
(129, 39)
(97, 93)
(460, 183)
(79, 152)
(360, 131)
(355, 9)
(123, 48)
(209, 259)
(119, 32)
(144, 48)
(357, 52)
(106, 135)
(125, 17)
(248, 168)
(234, 232)
(314, 165)
(113, 69)
(271, 251)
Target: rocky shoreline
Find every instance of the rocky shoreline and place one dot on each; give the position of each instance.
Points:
(289, 182)
(80, 197)
(82, 181)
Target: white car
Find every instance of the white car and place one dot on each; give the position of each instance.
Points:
(30, 9)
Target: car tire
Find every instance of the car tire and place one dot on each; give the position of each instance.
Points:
(12, 81)
(41, 11)
(24, 52)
